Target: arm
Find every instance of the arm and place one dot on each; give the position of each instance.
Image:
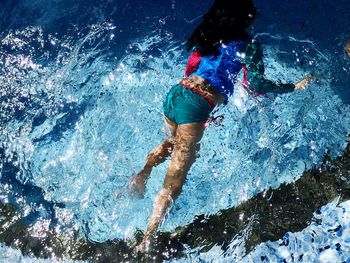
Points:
(256, 71)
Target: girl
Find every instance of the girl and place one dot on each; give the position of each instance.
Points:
(221, 49)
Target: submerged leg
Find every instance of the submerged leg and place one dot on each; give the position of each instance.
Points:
(183, 156)
(154, 158)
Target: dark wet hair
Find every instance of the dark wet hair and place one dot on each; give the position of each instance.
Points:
(226, 20)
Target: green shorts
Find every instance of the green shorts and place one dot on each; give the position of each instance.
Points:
(183, 105)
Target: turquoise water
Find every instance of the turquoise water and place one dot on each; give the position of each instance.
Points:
(81, 107)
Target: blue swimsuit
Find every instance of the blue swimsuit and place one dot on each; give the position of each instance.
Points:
(221, 70)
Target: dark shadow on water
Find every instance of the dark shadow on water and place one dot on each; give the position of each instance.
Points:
(267, 216)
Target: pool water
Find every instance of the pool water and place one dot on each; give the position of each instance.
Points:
(81, 106)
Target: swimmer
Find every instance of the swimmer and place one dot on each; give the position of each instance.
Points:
(347, 48)
(220, 50)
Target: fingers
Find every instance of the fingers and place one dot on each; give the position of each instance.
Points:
(347, 48)
(305, 81)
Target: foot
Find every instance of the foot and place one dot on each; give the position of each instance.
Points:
(137, 186)
(144, 246)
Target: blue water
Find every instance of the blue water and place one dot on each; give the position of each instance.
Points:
(82, 85)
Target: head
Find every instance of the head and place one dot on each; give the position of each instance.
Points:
(225, 20)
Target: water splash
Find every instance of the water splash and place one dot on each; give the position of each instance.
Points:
(80, 125)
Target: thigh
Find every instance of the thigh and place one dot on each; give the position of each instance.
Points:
(190, 133)
(186, 145)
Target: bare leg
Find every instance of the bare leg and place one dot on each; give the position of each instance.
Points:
(184, 154)
(154, 158)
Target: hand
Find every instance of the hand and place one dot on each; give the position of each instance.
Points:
(347, 48)
(305, 81)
